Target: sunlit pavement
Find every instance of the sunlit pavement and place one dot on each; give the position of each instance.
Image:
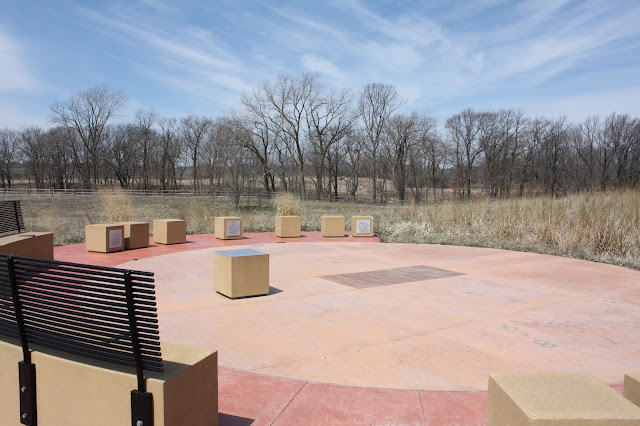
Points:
(359, 332)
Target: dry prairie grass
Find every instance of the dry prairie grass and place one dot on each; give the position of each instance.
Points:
(603, 227)
(116, 205)
(287, 204)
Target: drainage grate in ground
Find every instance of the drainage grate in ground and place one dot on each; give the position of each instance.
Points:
(390, 276)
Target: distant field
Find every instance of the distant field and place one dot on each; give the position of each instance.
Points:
(599, 227)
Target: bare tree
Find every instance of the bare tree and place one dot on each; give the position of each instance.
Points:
(354, 153)
(287, 98)
(59, 158)
(145, 135)
(195, 132)
(257, 120)
(376, 104)
(32, 142)
(464, 130)
(9, 142)
(171, 151)
(87, 113)
(437, 152)
(123, 154)
(405, 132)
(237, 165)
(329, 116)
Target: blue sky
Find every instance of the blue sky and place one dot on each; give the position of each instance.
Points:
(545, 57)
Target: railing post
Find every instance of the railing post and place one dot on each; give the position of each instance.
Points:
(26, 370)
(15, 211)
(141, 400)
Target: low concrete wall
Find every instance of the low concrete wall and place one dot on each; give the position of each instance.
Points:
(73, 390)
(29, 244)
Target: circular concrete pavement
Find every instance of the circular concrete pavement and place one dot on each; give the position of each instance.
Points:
(403, 316)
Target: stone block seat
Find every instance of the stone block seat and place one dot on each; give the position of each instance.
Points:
(241, 273)
(169, 231)
(632, 387)
(228, 227)
(288, 226)
(556, 399)
(332, 226)
(104, 237)
(362, 226)
(136, 234)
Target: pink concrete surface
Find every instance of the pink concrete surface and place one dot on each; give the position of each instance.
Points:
(317, 352)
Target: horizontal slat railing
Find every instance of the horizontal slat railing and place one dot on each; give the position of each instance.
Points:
(83, 310)
(11, 221)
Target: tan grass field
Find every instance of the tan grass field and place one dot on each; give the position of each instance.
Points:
(603, 227)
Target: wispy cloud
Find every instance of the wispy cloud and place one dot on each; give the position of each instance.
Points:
(324, 66)
(441, 56)
(189, 54)
(14, 72)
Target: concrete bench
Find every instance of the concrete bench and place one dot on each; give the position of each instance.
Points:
(13, 238)
(102, 342)
(241, 273)
(556, 399)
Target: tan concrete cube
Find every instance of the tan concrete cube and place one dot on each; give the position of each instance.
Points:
(73, 390)
(136, 234)
(362, 226)
(556, 399)
(104, 237)
(241, 273)
(632, 387)
(288, 226)
(169, 231)
(228, 227)
(332, 226)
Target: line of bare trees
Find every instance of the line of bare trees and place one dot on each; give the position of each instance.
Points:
(297, 134)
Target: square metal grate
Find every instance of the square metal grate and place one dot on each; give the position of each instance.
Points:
(383, 277)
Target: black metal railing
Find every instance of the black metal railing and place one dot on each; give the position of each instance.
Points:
(102, 313)
(11, 221)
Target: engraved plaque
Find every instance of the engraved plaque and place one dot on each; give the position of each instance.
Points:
(115, 238)
(363, 226)
(233, 228)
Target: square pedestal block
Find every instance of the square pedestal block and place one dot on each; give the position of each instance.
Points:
(104, 237)
(136, 234)
(362, 226)
(228, 228)
(632, 387)
(169, 231)
(556, 399)
(288, 226)
(332, 226)
(241, 273)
